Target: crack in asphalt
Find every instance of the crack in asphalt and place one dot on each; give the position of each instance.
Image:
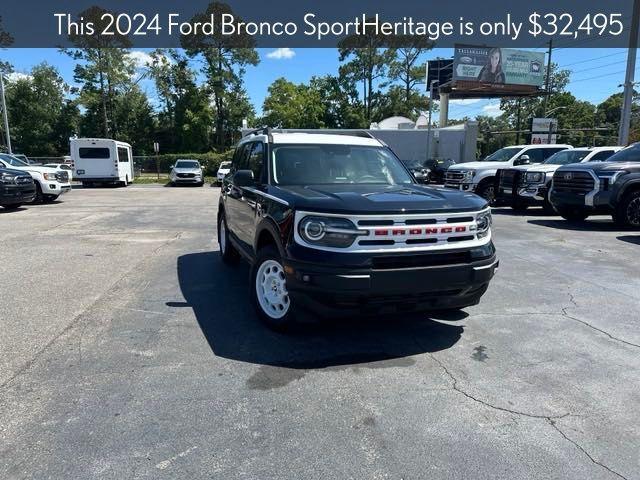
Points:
(579, 447)
(455, 387)
(551, 419)
(575, 304)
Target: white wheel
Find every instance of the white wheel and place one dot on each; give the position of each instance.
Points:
(271, 289)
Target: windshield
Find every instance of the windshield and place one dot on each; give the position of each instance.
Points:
(502, 155)
(225, 165)
(566, 157)
(11, 160)
(187, 164)
(336, 164)
(629, 154)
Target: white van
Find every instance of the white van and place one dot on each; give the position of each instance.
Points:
(101, 161)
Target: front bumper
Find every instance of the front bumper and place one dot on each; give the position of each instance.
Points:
(598, 201)
(54, 188)
(532, 194)
(187, 180)
(13, 194)
(392, 283)
(464, 187)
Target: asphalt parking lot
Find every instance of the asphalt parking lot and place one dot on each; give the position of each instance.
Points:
(129, 351)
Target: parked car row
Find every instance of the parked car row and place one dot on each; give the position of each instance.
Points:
(24, 183)
(573, 182)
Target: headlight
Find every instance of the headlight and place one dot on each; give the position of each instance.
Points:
(534, 177)
(328, 231)
(611, 176)
(50, 176)
(467, 175)
(7, 178)
(483, 223)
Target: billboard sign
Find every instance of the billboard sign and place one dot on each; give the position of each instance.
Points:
(494, 65)
(544, 124)
(543, 138)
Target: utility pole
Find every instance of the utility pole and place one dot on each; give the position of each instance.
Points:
(548, 81)
(518, 124)
(625, 114)
(429, 122)
(5, 116)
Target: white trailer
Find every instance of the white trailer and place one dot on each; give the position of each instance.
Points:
(101, 161)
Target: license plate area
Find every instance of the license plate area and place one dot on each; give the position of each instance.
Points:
(80, 172)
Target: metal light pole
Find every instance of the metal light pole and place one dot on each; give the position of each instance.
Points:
(5, 117)
(625, 114)
(429, 122)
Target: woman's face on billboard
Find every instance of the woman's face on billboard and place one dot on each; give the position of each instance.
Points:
(495, 60)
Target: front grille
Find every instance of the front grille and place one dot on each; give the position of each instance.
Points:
(186, 175)
(416, 261)
(24, 180)
(62, 177)
(579, 183)
(510, 178)
(453, 177)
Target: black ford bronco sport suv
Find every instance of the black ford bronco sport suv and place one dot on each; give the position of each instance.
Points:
(612, 187)
(338, 225)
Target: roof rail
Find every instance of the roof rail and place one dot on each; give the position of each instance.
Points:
(349, 133)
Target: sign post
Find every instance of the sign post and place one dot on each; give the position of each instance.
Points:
(156, 149)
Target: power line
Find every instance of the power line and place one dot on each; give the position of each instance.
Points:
(594, 58)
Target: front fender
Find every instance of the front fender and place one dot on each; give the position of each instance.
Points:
(620, 189)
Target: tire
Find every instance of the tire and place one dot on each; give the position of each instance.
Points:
(575, 214)
(269, 290)
(39, 197)
(627, 212)
(228, 252)
(520, 207)
(487, 190)
(13, 206)
(50, 198)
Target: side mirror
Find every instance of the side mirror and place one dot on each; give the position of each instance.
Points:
(172, 166)
(523, 160)
(243, 178)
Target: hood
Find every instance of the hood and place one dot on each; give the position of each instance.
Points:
(31, 168)
(187, 170)
(13, 171)
(479, 166)
(224, 170)
(600, 166)
(365, 199)
(537, 167)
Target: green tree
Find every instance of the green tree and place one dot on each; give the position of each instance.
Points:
(340, 105)
(225, 59)
(290, 105)
(103, 70)
(409, 76)
(35, 105)
(366, 59)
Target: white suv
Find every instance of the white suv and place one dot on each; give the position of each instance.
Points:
(50, 182)
(479, 177)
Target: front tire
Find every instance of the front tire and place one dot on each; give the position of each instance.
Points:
(39, 197)
(50, 198)
(487, 190)
(269, 292)
(227, 251)
(13, 206)
(628, 211)
(573, 214)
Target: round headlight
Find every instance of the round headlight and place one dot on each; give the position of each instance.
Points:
(314, 229)
(534, 177)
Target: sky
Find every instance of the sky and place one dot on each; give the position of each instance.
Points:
(596, 73)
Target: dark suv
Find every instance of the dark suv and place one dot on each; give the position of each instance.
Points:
(337, 224)
(16, 188)
(611, 187)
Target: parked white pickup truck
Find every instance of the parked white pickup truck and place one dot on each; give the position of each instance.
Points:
(479, 177)
(50, 182)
